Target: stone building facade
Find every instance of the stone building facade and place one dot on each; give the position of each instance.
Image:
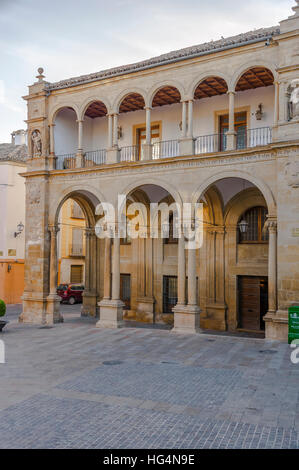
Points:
(216, 123)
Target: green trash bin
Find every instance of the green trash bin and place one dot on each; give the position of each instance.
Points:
(293, 323)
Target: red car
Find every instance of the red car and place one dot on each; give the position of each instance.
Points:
(71, 293)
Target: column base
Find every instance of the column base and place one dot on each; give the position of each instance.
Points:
(186, 319)
(79, 159)
(113, 155)
(276, 325)
(147, 151)
(53, 314)
(186, 146)
(231, 140)
(40, 310)
(89, 306)
(145, 309)
(111, 314)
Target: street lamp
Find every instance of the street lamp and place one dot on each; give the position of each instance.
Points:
(243, 226)
(20, 228)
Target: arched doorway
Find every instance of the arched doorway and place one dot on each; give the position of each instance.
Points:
(234, 257)
(148, 258)
(75, 253)
(95, 133)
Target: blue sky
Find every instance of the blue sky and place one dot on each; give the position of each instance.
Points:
(72, 37)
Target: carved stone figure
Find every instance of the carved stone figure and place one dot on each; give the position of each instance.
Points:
(294, 100)
(292, 174)
(36, 143)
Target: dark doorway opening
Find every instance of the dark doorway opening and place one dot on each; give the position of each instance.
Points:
(253, 302)
(125, 290)
(170, 293)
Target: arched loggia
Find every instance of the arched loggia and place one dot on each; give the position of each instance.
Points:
(75, 251)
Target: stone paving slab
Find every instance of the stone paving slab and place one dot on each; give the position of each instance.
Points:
(74, 385)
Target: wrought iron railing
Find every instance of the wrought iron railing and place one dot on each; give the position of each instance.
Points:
(165, 149)
(66, 161)
(257, 137)
(129, 154)
(77, 250)
(208, 143)
(95, 157)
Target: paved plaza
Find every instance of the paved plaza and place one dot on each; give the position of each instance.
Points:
(75, 386)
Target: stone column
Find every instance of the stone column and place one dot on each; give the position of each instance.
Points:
(192, 277)
(186, 317)
(186, 142)
(231, 135)
(79, 154)
(111, 310)
(52, 143)
(145, 299)
(276, 104)
(116, 269)
(115, 130)
(147, 147)
(113, 153)
(107, 269)
(89, 305)
(184, 119)
(110, 132)
(52, 158)
(181, 271)
(53, 258)
(53, 300)
(272, 266)
(190, 119)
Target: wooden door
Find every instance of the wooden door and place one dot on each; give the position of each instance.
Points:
(141, 135)
(253, 302)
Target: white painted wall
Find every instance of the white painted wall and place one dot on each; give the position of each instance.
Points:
(66, 132)
(204, 123)
(12, 209)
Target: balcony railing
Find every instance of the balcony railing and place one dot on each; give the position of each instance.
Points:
(95, 157)
(260, 136)
(212, 143)
(129, 154)
(165, 149)
(76, 250)
(66, 161)
(207, 143)
(245, 139)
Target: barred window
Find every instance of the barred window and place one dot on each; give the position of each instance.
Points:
(255, 217)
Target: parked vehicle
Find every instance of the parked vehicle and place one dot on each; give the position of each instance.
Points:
(71, 293)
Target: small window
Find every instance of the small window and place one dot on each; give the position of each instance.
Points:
(255, 217)
(76, 274)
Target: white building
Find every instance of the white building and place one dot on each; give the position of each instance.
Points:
(12, 215)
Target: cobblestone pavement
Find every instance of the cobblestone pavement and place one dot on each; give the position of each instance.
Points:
(73, 385)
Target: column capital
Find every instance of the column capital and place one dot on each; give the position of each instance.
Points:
(90, 232)
(53, 229)
(229, 92)
(271, 225)
(148, 107)
(51, 124)
(80, 120)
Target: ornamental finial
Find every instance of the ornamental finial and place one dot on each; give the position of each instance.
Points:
(40, 75)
